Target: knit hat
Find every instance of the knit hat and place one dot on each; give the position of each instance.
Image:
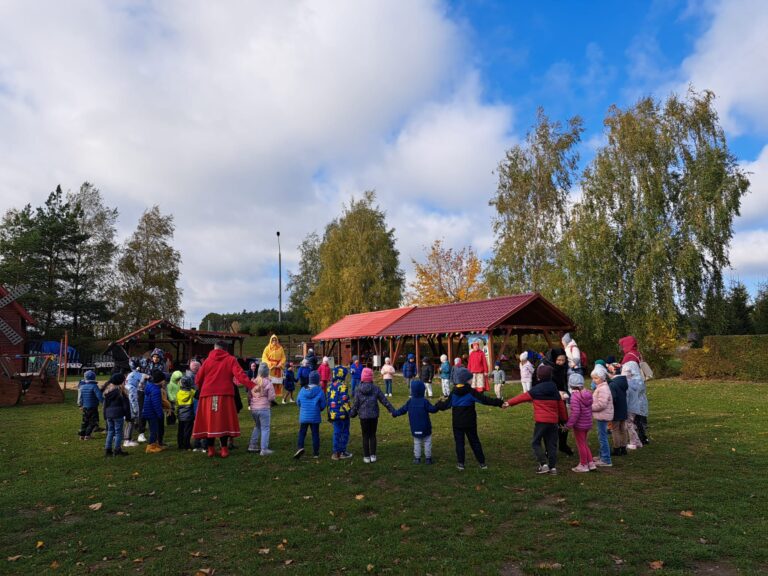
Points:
(425, 360)
(117, 378)
(90, 375)
(314, 378)
(325, 359)
(575, 380)
(443, 358)
(158, 376)
(600, 372)
(355, 358)
(497, 365)
(566, 338)
(523, 356)
(387, 360)
(463, 376)
(600, 362)
(366, 375)
(340, 373)
(186, 383)
(263, 370)
(194, 366)
(457, 361)
(544, 373)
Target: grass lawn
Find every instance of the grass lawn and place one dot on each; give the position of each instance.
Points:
(177, 513)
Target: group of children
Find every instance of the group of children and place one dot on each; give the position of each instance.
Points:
(554, 384)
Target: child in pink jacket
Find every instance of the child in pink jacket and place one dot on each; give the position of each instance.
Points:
(580, 421)
(602, 410)
(260, 399)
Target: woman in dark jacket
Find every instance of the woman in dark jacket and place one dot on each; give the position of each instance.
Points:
(557, 359)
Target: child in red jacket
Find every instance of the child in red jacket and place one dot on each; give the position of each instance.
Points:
(548, 411)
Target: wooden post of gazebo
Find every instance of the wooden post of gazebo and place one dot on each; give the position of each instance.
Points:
(416, 339)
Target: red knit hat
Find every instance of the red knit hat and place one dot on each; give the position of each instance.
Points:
(366, 375)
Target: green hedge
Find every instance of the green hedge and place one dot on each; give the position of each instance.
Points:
(729, 357)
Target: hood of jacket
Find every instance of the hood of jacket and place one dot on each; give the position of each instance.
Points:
(417, 389)
(462, 389)
(313, 391)
(628, 344)
(366, 388)
(411, 357)
(217, 355)
(176, 377)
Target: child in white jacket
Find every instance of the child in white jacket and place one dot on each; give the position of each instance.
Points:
(526, 372)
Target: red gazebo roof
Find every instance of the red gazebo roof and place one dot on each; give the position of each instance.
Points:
(363, 325)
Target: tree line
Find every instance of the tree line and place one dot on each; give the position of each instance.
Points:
(635, 242)
(80, 279)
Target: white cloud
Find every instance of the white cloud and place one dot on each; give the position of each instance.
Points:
(731, 59)
(754, 206)
(226, 115)
(748, 254)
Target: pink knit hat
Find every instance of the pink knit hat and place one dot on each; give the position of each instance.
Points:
(366, 375)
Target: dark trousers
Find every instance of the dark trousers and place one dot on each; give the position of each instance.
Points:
(474, 443)
(315, 427)
(184, 434)
(154, 430)
(170, 420)
(160, 430)
(549, 434)
(368, 427)
(90, 421)
(562, 440)
(641, 423)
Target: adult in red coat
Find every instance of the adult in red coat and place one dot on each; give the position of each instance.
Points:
(478, 365)
(216, 413)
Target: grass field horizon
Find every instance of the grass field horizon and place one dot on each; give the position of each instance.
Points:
(694, 500)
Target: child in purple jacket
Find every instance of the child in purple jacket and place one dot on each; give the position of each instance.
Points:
(580, 421)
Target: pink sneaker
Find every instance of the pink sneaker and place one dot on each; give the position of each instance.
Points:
(592, 466)
(580, 468)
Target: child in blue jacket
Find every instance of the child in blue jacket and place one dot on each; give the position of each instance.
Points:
(355, 373)
(89, 397)
(289, 383)
(418, 409)
(410, 369)
(338, 412)
(153, 410)
(302, 374)
(311, 402)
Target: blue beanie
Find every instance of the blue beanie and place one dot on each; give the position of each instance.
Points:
(314, 378)
(90, 375)
(463, 376)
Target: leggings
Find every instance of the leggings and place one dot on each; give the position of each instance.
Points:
(585, 454)
(368, 427)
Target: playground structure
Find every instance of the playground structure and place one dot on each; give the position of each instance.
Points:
(37, 384)
(24, 378)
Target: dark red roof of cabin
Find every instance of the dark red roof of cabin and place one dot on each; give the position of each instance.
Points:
(182, 333)
(527, 310)
(363, 325)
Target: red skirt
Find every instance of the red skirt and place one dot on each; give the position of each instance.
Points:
(216, 416)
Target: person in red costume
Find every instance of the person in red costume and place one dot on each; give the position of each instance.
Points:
(216, 413)
(478, 365)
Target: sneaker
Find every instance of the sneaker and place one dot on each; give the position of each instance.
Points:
(345, 455)
(292, 401)
(153, 448)
(121, 453)
(483, 466)
(428, 461)
(86, 437)
(107, 453)
(142, 438)
(553, 471)
(631, 447)
(130, 444)
(417, 460)
(543, 469)
(298, 453)
(600, 462)
(315, 456)
(580, 468)
(283, 400)
(335, 456)
(460, 467)
(266, 452)
(252, 449)
(592, 466)
(366, 460)
(373, 457)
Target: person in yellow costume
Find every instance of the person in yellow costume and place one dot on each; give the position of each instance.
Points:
(274, 357)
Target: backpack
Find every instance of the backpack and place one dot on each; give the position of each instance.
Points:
(646, 370)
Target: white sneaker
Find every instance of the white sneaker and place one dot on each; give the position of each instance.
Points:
(266, 452)
(373, 458)
(631, 447)
(292, 401)
(580, 468)
(543, 469)
(366, 460)
(130, 444)
(142, 438)
(283, 400)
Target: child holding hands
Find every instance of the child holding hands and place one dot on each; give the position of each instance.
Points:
(580, 421)
(418, 409)
(366, 406)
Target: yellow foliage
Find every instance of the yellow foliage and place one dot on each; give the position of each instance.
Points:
(447, 276)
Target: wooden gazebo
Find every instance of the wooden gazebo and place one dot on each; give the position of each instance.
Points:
(442, 328)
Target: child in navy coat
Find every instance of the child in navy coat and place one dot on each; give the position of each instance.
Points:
(418, 409)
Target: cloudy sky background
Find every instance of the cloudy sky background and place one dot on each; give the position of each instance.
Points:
(244, 118)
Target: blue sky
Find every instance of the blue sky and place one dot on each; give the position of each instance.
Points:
(242, 118)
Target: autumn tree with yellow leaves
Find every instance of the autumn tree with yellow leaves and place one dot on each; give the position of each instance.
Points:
(447, 276)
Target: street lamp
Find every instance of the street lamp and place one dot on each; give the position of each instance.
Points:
(279, 281)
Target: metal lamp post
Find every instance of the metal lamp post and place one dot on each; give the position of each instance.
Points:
(279, 281)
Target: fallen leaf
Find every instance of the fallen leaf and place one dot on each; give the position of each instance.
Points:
(123, 553)
(307, 497)
(40, 544)
(702, 541)
(560, 500)
(96, 506)
(281, 546)
(135, 475)
(370, 567)
(360, 497)
(205, 572)
(138, 560)
(478, 487)
(160, 548)
(23, 472)
(288, 562)
(656, 565)
(404, 527)
(14, 558)
(550, 565)
(263, 551)
(687, 513)
(197, 554)
(574, 523)
(55, 565)
(616, 560)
